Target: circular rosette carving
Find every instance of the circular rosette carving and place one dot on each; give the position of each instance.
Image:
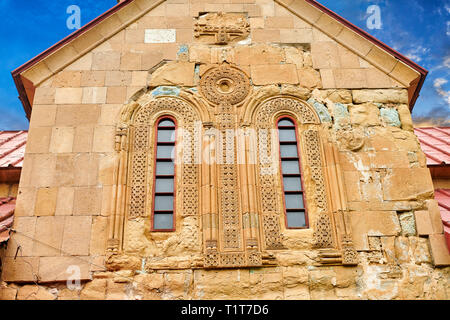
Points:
(225, 84)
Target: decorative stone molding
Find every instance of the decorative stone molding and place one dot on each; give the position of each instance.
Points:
(221, 28)
(225, 85)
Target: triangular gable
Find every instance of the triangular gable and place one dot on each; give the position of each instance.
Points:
(36, 71)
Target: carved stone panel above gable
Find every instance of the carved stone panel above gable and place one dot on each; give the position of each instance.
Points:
(221, 28)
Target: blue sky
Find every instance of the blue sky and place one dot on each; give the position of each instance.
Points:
(420, 29)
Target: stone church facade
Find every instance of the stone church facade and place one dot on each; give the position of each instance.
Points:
(243, 149)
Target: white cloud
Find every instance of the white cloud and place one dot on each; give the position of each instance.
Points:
(438, 83)
(418, 53)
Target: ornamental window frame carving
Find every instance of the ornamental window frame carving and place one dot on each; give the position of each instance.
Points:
(322, 160)
(134, 132)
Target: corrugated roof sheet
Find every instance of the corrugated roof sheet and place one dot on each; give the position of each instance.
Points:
(12, 148)
(7, 206)
(442, 196)
(435, 143)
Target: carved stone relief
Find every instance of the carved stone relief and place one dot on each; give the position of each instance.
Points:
(221, 28)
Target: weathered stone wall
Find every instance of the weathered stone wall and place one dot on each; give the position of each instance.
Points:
(66, 189)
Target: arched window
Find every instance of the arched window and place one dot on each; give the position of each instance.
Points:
(163, 217)
(291, 172)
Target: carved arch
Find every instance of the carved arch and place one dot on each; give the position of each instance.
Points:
(130, 194)
(264, 117)
(321, 161)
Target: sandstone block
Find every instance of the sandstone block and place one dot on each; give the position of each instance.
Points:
(34, 292)
(104, 139)
(416, 183)
(63, 79)
(139, 78)
(73, 115)
(26, 199)
(87, 170)
(82, 141)
(94, 290)
(20, 269)
(269, 74)
(39, 140)
(174, 73)
(46, 201)
(327, 76)
(350, 78)
(373, 223)
(7, 293)
(423, 223)
(62, 139)
(309, 78)
(116, 95)
(99, 235)
(108, 60)
(381, 96)
(43, 115)
(49, 234)
(439, 250)
(94, 95)
(64, 268)
(325, 55)
(435, 216)
(366, 114)
(405, 117)
(296, 35)
(92, 79)
(44, 95)
(77, 235)
(265, 35)
(131, 61)
(258, 54)
(378, 79)
(87, 201)
(68, 95)
(64, 201)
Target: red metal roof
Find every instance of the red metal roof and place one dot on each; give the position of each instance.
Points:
(23, 83)
(12, 148)
(7, 206)
(442, 196)
(435, 143)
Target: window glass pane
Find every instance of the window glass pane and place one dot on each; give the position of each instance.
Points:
(290, 167)
(287, 135)
(296, 219)
(286, 123)
(163, 203)
(164, 185)
(165, 152)
(288, 151)
(292, 184)
(166, 123)
(166, 135)
(294, 201)
(165, 168)
(163, 221)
